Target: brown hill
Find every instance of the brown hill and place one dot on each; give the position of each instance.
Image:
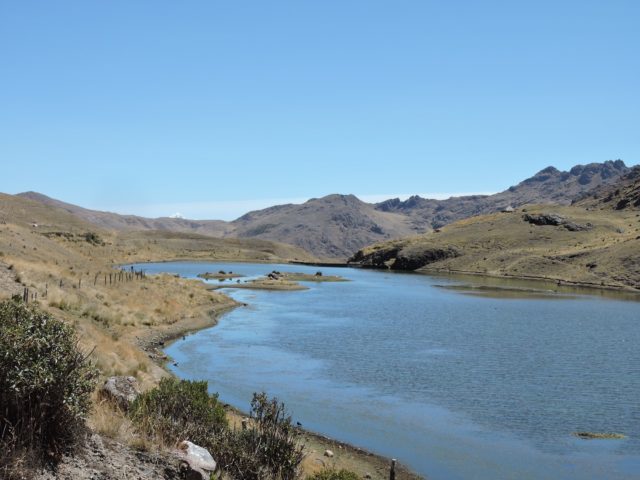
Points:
(597, 248)
(115, 221)
(549, 186)
(40, 220)
(335, 226)
(332, 227)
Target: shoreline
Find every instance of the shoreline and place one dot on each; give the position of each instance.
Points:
(378, 464)
(536, 278)
(154, 341)
(426, 270)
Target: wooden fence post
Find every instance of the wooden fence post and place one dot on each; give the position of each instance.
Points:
(392, 473)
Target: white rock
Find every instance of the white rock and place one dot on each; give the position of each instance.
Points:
(199, 459)
(328, 453)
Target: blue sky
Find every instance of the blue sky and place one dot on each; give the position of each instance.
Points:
(212, 108)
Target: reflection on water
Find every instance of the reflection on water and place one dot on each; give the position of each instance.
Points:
(491, 291)
(454, 385)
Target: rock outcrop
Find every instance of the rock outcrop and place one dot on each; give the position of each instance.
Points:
(197, 462)
(407, 258)
(623, 194)
(121, 391)
(555, 220)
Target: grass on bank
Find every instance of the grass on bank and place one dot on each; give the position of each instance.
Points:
(180, 409)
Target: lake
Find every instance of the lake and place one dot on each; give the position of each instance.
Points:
(455, 382)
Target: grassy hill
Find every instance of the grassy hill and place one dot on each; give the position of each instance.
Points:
(115, 221)
(71, 270)
(65, 261)
(335, 226)
(590, 247)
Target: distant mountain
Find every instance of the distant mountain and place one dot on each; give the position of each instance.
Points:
(330, 227)
(43, 231)
(547, 186)
(115, 221)
(336, 226)
(623, 194)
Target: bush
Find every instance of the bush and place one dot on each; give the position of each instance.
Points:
(45, 384)
(93, 238)
(179, 410)
(183, 410)
(267, 449)
(331, 474)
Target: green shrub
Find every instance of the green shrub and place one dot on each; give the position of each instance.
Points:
(183, 410)
(332, 474)
(45, 384)
(267, 449)
(93, 238)
(179, 410)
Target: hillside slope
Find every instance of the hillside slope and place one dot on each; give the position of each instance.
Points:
(70, 263)
(335, 226)
(597, 248)
(115, 221)
(624, 194)
(548, 186)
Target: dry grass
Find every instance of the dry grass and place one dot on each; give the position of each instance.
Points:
(505, 245)
(114, 320)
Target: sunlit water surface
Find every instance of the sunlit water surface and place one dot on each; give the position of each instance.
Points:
(456, 383)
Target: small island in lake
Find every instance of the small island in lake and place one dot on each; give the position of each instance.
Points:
(281, 281)
(221, 275)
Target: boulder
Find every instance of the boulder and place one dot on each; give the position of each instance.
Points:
(554, 220)
(412, 258)
(197, 462)
(544, 219)
(328, 453)
(122, 391)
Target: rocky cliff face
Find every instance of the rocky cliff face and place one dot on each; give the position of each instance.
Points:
(623, 194)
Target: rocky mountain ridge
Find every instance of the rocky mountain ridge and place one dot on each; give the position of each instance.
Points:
(335, 226)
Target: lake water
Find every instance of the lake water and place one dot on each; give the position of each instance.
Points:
(455, 383)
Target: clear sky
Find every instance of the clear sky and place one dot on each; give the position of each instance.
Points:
(211, 108)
